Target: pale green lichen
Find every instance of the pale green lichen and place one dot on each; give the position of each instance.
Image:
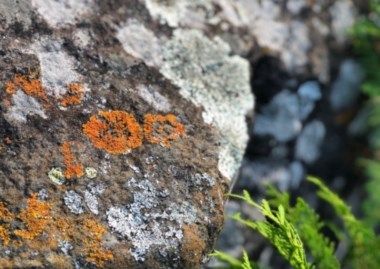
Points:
(210, 77)
(57, 175)
(90, 172)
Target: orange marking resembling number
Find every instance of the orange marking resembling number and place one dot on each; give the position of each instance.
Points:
(116, 131)
(72, 167)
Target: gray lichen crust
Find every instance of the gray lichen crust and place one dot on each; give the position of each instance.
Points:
(119, 133)
(210, 78)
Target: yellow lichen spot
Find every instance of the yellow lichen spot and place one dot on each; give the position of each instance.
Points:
(31, 86)
(74, 95)
(57, 176)
(162, 128)
(116, 132)
(73, 168)
(91, 172)
(35, 216)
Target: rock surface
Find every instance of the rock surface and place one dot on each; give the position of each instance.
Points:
(122, 125)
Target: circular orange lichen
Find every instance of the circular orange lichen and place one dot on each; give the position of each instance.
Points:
(118, 132)
(162, 129)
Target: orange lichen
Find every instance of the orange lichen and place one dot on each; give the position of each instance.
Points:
(10, 88)
(162, 128)
(5, 216)
(40, 218)
(31, 86)
(4, 213)
(118, 132)
(74, 95)
(35, 216)
(96, 254)
(192, 246)
(73, 168)
(4, 234)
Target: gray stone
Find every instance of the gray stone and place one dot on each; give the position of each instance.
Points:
(359, 125)
(259, 172)
(281, 118)
(297, 174)
(309, 92)
(309, 142)
(345, 89)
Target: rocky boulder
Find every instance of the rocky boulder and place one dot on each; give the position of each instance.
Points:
(122, 126)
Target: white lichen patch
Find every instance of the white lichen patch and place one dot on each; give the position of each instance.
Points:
(15, 11)
(141, 221)
(210, 78)
(60, 13)
(192, 13)
(43, 194)
(57, 176)
(82, 38)
(140, 42)
(23, 105)
(65, 246)
(152, 96)
(91, 197)
(58, 69)
(73, 201)
(141, 235)
(90, 172)
(203, 179)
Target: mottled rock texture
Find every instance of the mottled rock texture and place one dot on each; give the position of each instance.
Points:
(122, 126)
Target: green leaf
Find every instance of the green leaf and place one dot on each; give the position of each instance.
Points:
(227, 258)
(278, 230)
(233, 262)
(365, 250)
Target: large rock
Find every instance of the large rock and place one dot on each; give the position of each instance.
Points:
(122, 125)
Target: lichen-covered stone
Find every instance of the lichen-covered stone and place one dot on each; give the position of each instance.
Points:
(120, 132)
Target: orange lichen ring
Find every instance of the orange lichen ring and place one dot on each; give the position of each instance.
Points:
(118, 132)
